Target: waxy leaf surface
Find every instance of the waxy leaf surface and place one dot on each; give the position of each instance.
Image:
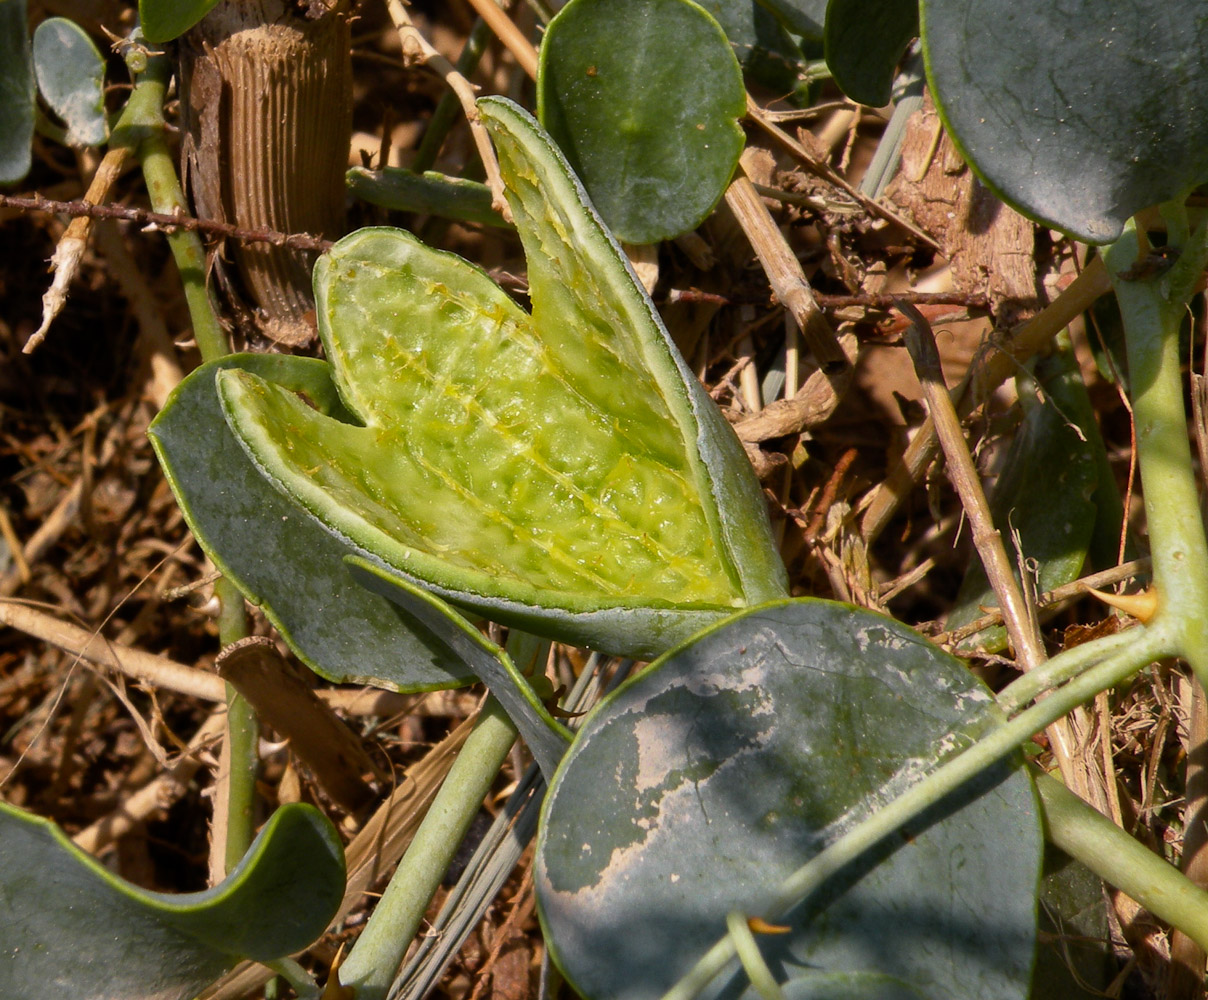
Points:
(704, 782)
(73, 929)
(163, 20)
(547, 738)
(763, 47)
(643, 97)
(865, 40)
(1079, 114)
(562, 471)
(71, 78)
(802, 17)
(17, 92)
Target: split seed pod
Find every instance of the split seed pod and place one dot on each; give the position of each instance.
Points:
(561, 471)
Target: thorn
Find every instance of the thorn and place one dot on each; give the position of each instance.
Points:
(760, 926)
(1141, 606)
(333, 990)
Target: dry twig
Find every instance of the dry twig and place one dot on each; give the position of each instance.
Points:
(1017, 616)
(417, 48)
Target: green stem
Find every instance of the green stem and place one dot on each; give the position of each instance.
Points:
(374, 959)
(142, 125)
(299, 979)
(1060, 669)
(1086, 834)
(1152, 311)
(242, 749)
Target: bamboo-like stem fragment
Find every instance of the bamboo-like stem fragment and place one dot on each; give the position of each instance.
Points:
(788, 281)
(266, 106)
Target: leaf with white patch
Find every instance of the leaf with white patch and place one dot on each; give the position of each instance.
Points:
(700, 785)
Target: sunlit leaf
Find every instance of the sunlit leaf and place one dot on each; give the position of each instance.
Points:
(643, 97)
(71, 78)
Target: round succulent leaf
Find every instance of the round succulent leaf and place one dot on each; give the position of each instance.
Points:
(163, 20)
(1079, 114)
(17, 92)
(764, 48)
(74, 929)
(496, 461)
(700, 785)
(71, 78)
(280, 557)
(865, 40)
(643, 97)
(849, 986)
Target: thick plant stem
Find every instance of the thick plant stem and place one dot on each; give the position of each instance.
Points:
(371, 965)
(1118, 859)
(1152, 308)
(1172, 507)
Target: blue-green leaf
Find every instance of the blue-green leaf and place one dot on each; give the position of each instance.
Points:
(1079, 114)
(71, 79)
(865, 40)
(277, 555)
(802, 17)
(163, 20)
(73, 929)
(703, 783)
(547, 738)
(16, 92)
(764, 49)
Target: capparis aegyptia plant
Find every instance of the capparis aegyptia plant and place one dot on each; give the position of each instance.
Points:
(798, 798)
(622, 523)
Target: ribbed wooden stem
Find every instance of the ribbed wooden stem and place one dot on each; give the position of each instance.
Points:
(267, 113)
